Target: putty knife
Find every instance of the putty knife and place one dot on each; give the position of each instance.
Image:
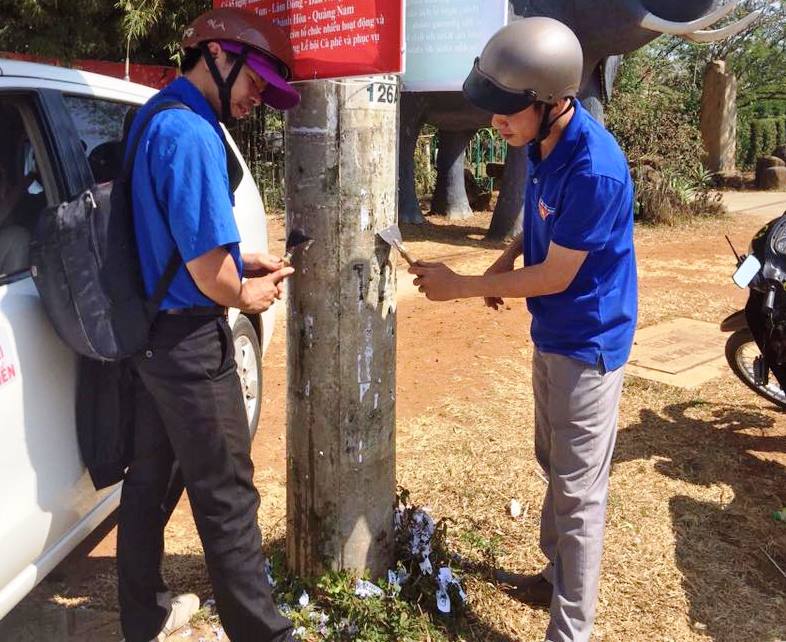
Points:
(392, 236)
(296, 239)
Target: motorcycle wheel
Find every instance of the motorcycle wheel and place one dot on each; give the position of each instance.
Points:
(741, 351)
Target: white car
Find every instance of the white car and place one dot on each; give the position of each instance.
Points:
(60, 130)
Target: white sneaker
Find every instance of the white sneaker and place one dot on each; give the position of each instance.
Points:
(182, 610)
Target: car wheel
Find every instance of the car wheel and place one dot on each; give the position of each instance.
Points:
(248, 357)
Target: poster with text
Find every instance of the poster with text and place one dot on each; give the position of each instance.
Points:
(444, 37)
(337, 38)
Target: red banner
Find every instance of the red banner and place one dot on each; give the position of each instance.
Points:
(154, 76)
(337, 38)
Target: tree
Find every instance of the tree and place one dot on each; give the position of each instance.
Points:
(163, 38)
(64, 29)
(150, 30)
(756, 56)
(138, 18)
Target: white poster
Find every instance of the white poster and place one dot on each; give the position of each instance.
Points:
(443, 38)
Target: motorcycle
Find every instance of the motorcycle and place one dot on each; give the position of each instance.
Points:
(756, 349)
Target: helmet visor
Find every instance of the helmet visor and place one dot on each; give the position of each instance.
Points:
(481, 90)
(278, 93)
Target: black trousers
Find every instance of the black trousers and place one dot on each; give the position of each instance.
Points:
(189, 409)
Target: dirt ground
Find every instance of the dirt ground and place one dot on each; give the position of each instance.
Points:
(696, 475)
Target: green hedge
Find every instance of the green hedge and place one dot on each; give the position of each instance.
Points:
(765, 135)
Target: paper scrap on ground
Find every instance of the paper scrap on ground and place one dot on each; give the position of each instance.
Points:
(269, 573)
(364, 589)
(444, 578)
(421, 529)
(398, 577)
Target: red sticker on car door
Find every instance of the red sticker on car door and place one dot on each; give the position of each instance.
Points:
(9, 367)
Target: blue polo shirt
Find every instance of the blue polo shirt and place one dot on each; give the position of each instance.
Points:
(180, 192)
(581, 197)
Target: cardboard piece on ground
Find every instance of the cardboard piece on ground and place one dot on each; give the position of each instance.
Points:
(681, 352)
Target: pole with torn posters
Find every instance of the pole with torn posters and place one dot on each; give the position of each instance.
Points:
(341, 190)
(341, 169)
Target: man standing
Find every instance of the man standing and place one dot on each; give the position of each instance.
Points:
(188, 400)
(579, 279)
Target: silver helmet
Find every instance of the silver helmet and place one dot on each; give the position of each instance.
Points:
(528, 61)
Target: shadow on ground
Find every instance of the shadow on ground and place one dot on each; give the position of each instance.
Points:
(437, 229)
(720, 546)
(84, 608)
(77, 601)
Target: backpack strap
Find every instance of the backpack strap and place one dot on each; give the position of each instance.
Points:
(162, 287)
(128, 166)
(174, 263)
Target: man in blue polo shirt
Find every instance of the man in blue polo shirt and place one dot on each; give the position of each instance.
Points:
(579, 279)
(189, 412)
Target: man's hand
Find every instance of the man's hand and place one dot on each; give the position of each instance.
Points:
(258, 294)
(503, 264)
(437, 281)
(258, 264)
(215, 274)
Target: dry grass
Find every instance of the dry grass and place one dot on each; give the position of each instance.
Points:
(695, 476)
(687, 514)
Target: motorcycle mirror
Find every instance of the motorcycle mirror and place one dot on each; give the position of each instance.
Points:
(746, 272)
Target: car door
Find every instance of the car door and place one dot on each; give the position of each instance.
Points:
(46, 493)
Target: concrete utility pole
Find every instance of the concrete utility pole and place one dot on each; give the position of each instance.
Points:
(341, 169)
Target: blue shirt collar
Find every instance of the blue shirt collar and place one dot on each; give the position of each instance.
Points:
(566, 145)
(183, 90)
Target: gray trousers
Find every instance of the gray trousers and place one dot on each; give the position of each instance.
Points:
(576, 408)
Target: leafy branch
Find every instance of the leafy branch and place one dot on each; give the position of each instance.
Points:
(138, 19)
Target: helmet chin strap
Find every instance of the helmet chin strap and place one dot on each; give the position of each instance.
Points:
(546, 124)
(224, 84)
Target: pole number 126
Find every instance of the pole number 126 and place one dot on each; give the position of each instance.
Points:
(382, 92)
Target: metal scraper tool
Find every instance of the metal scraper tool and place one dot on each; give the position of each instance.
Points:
(392, 236)
(296, 239)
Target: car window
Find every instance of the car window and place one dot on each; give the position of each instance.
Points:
(101, 125)
(23, 183)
